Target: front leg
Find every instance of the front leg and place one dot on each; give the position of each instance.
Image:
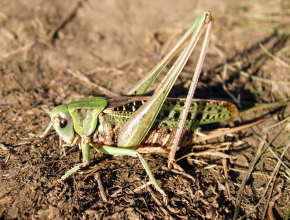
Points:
(133, 153)
(86, 161)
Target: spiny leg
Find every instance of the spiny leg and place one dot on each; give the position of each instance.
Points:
(133, 153)
(146, 81)
(194, 30)
(191, 91)
(136, 128)
(154, 104)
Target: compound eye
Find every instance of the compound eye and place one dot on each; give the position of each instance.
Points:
(62, 123)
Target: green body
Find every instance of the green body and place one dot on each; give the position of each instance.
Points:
(82, 116)
(118, 126)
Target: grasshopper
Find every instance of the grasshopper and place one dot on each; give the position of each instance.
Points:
(135, 123)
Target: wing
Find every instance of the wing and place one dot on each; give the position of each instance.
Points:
(119, 110)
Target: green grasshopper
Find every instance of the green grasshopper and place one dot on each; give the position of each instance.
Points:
(134, 123)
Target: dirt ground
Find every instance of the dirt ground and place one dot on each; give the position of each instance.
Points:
(54, 52)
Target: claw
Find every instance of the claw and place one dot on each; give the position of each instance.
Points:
(165, 199)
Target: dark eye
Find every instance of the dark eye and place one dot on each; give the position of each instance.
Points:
(63, 123)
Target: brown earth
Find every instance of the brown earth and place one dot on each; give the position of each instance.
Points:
(112, 44)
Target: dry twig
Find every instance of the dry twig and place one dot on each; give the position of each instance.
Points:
(18, 50)
(79, 75)
(70, 12)
(97, 177)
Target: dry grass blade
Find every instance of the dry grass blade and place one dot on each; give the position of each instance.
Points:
(18, 50)
(260, 106)
(274, 57)
(271, 180)
(211, 152)
(273, 200)
(71, 11)
(85, 79)
(166, 213)
(252, 167)
(224, 162)
(278, 123)
(224, 75)
(224, 131)
(260, 79)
